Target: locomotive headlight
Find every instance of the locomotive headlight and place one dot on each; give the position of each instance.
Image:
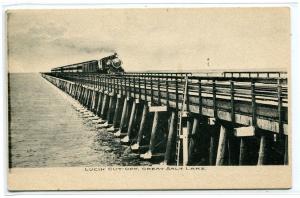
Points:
(116, 62)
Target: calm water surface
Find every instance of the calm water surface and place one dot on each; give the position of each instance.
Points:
(46, 130)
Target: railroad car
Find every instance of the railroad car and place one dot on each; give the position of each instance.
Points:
(107, 65)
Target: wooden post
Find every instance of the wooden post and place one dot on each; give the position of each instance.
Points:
(233, 146)
(73, 90)
(99, 103)
(94, 108)
(123, 118)
(110, 109)
(86, 101)
(286, 150)
(242, 151)
(94, 103)
(154, 131)
(116, 114)
(222, 146)
(262, 150)
(142, 128)
(78, 92)
(91, 100)
(85, 97)
(171, 138)
(70, 90)
(185, 142)
(192, 139)
(81, 95)
(148, 155)
(103, 106)
(212, 147)
(126, 139)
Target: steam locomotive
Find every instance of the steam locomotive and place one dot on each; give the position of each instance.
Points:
(107, 65)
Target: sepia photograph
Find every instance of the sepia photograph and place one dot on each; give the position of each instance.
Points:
(193, 96)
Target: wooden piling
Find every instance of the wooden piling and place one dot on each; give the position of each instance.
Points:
(103, 109)
(117, 112)
(213, 145)
(262, 151)
(84, 95)
(110, 109)
(286, 150)
(154, 131)
(89, 99)
(86, 99)
(141, 128)
(93, 101)
(73, 91)
(94, 108)
(242, 151)
(185, 141)
(233, 146)
(78, 91)
(99, 105)
(171, 139)
(192, 141)
(123, 117)
(81, 94)
(221, 146)
(131, 121)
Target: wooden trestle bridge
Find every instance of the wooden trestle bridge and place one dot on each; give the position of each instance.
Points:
(237, 118)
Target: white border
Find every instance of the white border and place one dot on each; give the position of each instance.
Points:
(63, 4)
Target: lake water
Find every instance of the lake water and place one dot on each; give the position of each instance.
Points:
(46, 130)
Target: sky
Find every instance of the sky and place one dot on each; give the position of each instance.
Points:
(151, 39)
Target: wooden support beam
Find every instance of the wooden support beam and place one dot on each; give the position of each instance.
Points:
(148, 155)
(99, 103)
(211, 121)
(286, 150)
(110, 110)
(136, 146)
(90, 100)
(242, 151)
(185, 142)
(192, 141)
(171, 139)
(95, 97)
(96, 101)
(126, 139)
(117, 113)
(104, 106)
(123, 118)
(244, 131)
(154, 130)
(158, 108)
(87, 99)
(213, 145)
(221, 146)
(262, 150)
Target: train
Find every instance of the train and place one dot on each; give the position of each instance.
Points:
(106, 65)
